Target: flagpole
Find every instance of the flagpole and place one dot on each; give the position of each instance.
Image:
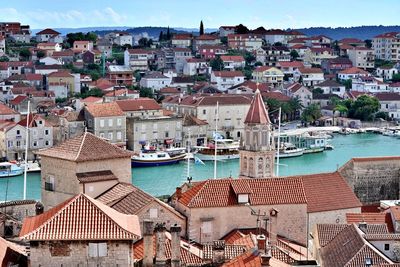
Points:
(188, 156)
(26, 148)
(215, 143)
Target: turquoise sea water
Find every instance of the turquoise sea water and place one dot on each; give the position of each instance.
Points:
(163, 180)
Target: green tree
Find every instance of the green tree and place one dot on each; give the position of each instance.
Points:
(364, 108)
(368, 43)
(278, 44)
(347, 83)
(249, 58)
(317, 91)
(25, 54)
(217, 63)
(201, 31)
(241, 29)
(4, 59)
(168, 37)
(40, 54)
(161, 36)
(224, 40)
(296, 106)
(146, 92)
(258, 63)
(294, 55)
(311, 113)
(396, 77)
(143, 42)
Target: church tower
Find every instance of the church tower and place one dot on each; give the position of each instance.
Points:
(257, 152)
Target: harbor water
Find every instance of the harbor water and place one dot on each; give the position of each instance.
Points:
(164, 179)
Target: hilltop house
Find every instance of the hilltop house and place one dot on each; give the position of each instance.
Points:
(226, 79)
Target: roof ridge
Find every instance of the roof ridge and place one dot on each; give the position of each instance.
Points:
(66, 204)
(204, 183)
(81, 145)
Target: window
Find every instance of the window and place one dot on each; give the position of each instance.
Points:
(166, 134)
(153, 213)
(49, 183)
(110, 122)
(101, 135)
(46, 132)
(47, 143)
(243, 198)
(110, 136)
(206, 227)
(9, 143)
(119, 135)
(204, 112)
(18, 143)
(119, 122)
(96, 250)
(387, 246)
(18, 132)
(101, 123)
(34, 132)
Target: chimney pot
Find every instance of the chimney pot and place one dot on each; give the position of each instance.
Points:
(175, 245)
(363, 226)
(261, 242)
(148, 253)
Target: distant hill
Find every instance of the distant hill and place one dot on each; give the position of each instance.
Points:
(151, 31)
(360, 32)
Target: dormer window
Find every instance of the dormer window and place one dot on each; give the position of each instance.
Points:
(243, 198)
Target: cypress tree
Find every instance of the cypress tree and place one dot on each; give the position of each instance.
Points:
(161, 36)
(168, 34)
(201, 28)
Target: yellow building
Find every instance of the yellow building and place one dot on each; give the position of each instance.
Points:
(266, 74)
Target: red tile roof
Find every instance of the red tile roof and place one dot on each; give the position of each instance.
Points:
(354, 70)
(310, 70)
(33, 121)
(187, 251)
(251, 258)
(61, 74)
(219, 193)
(5, 110)
(18, 100)
(209, 100)
(228, 74)
(257, 113)
(232, 58)
(86, 147)
(92, 99)
(190, 120)
(292, 64)
(207, 37)
(81, 218)
(372, 159)
(138, 104)
(388, 96)
(387, 35)
(371, 218)
(111, 109)
(395, 210)
(95, 176)
(48, 31)
(276, 95)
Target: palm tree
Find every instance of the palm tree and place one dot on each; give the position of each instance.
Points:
(296, 106)
(311, 113)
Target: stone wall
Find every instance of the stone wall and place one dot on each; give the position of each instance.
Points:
(291, 220)
(374, 179)
(164, 215)
(66, 184)
(64, 253)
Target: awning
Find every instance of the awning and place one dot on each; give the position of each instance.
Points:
(169, 141)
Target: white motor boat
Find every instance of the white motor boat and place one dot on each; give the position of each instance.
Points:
(289, 150)
(8, 169)
(226, 149)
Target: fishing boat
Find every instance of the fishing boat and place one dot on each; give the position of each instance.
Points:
(33, 166)
(289, 150)
(8, 169)
(175, 151)
(152, 157)
(226, 149)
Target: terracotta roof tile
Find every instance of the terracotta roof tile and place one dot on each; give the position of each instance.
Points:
(110, 109)
(138, 104)
(232, 58)
(81, 218)
(86, 147)
(257, 113)
(190, 120)
(48, 31)
(228, 74)
(5, 110)
(95, 176)
(354, 70)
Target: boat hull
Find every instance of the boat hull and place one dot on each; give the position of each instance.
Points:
(313, 150)
(206, 157)
(290, 155)
(5, 174)
(154, 163)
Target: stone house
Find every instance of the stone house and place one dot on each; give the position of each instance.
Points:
(233, 62)
(107, 121)
(7, 113)
(390, 103)
(309, 76)
(194, 131)
(81, 231)
(40, 134)
(155, 80)
(65, 78)
(296, 90)
(182, 40)
(232, 109)
(128, 199)
(67, 125)
(85, 164)
(266, 74)
(332, 87)
(82, 46)
(137, 59)
(180, 57)
(12, 140)
(226, 79)
(12, 254)
(49, 35)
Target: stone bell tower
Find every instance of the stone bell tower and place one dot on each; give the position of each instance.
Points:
(257, 152)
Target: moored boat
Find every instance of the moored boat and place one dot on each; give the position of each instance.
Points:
(226, 149)
(289, 150)
(8, 169)
(151, 158)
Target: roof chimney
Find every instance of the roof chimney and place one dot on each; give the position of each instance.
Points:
(218, 252)
(363, 227)
(160, 245)
(261, 243)
(39, 208)
(175, 245)
(148, 243)
(273, 214)
(178, 193)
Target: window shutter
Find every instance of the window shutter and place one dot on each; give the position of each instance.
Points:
(102, 249)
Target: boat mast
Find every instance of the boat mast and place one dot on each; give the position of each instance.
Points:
(26, 148)
(279, 142)
(188, 157)
(215, 143)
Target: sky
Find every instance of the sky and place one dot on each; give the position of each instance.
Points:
(188, 13)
